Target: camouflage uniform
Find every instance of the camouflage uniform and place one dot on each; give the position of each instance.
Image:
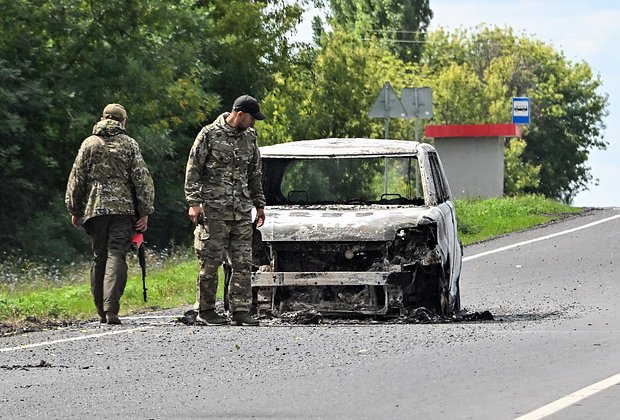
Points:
(108, 171)
(223, 175)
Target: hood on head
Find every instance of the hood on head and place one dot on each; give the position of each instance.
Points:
(108, 127)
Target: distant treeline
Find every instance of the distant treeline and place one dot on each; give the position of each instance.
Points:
(176, 65)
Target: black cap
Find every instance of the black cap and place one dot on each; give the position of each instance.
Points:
(246, 103)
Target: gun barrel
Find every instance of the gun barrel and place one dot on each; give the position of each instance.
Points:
(142, 260)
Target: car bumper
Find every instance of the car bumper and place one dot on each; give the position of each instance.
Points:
(330, 278)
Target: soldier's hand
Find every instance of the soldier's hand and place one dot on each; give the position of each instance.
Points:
(194, 213)
(142, 224)
(260, 217)
(75, 221)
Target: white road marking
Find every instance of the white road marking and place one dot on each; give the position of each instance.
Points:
(583, 393)
(573, 398)
(65, 340)
(542, 238)
(139, 317)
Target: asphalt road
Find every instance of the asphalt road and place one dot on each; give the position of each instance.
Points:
(555, 338)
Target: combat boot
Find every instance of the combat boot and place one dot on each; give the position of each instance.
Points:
(244, 318)
(112, 318)
(210, 317)
(102, 317)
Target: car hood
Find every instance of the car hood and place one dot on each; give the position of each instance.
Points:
(342, 223)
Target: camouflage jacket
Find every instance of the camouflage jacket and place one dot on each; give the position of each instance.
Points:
(223, 172)
(107, 168)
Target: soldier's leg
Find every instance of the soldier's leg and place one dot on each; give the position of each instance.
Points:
(119, 239)
(212, 256)
(240, 288)
(97, 228)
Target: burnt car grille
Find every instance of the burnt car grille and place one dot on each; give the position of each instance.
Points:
(329, 256)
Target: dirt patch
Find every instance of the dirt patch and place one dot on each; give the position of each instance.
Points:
(31, 325)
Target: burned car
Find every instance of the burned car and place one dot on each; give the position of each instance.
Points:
(356, 226)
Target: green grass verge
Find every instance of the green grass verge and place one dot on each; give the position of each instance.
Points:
(483, 219)
(171, 283)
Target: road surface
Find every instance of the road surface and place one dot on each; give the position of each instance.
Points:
(553, 350)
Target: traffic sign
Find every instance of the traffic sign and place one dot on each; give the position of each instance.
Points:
(418, 102)
(387, 105)
(520, 110)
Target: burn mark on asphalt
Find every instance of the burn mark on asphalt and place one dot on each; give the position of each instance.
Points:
(41, 364)
(310, 316)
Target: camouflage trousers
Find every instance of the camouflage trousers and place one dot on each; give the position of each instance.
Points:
(111, 237)
(219, 241)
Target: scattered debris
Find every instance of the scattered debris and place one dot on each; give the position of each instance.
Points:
(476, 316)
(189, 317)
(32, 324)
(303, 317)
(42, 364)
(421, 315)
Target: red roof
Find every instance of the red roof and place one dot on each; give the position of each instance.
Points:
(473, 130)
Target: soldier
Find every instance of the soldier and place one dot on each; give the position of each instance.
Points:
(222, 185)
(109, 184)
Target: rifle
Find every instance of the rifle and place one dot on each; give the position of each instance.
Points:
(138, 246)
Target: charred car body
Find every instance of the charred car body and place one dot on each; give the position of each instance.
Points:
(356, 226)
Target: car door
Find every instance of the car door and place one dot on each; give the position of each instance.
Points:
(447, 232)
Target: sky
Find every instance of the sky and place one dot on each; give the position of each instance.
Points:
(584, 31)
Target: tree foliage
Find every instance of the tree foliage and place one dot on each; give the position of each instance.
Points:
(473, 76)
(477, 72)
(399, 25)
(173, 65)
(176, 65)
(331, 94)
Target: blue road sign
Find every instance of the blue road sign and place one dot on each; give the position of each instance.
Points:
(521, 110)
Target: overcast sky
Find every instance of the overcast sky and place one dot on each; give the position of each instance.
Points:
(584, 30)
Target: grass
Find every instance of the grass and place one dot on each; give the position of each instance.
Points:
(483, 219)
(45, 292)
(170, 283)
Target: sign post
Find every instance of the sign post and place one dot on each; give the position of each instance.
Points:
(520, 110)
(418, 103)
(387, 105)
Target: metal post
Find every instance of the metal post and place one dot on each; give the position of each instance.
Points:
(386, 136)
(417, 115)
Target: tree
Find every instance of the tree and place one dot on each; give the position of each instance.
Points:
(174, 65)
(247, 44)
(519, 176)
(489, 66)
(399, 25)
(20, 188)
(473, 76)
(331, 93)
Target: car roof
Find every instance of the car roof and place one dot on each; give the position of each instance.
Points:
(343, 148)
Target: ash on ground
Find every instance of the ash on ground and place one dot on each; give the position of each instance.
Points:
(310, 316)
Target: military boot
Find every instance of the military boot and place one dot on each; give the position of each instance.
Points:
(244, 318)
(210, 317)
(102, 317)
(112, 318)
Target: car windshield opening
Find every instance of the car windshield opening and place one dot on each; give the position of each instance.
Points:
(345, 181)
